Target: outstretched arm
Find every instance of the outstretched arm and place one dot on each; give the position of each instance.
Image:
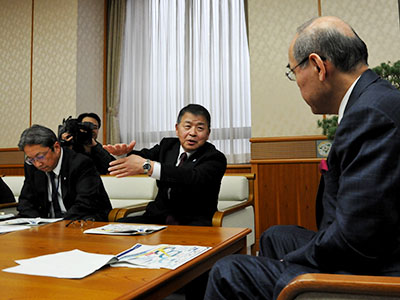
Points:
(120, 149)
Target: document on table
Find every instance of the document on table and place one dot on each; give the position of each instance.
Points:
(30, 221)
(70, 264)
(125, 229)
(158, 256)
(78, 264)
(7, 228)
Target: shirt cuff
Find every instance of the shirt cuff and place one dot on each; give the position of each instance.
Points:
(156, 171)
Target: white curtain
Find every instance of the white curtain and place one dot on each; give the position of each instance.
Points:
(178, 52)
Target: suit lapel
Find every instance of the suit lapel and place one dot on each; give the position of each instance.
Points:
(367, 78)
(64, 175)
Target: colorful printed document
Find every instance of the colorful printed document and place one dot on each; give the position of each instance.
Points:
(125, 229)
(78, 264)
(158, 256)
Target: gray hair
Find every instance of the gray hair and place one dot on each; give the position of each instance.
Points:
(37, 135)
(345, 52)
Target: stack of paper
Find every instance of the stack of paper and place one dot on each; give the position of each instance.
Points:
(78, 264)
(125, 229)
(29, 221)
(69, 264)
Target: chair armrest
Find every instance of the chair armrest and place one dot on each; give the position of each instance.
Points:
(118, 213)
(7, 205)
(220, 214)
(340, 284)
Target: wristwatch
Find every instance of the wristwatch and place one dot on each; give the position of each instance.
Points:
(146, 166)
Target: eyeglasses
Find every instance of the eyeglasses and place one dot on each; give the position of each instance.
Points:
(81, 223)
(290, 73)
(39, 158)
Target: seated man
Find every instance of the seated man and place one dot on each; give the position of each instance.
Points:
(358, 212)
(188, 193)
(58, 181)
(6, 195)
(88, 145)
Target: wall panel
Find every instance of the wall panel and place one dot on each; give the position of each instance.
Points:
(15, 65)
(54, 61)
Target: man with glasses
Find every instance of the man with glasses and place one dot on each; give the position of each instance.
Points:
(357, 205)
(58, 181)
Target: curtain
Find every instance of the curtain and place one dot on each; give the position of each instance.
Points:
(115, 32)
(181, 52)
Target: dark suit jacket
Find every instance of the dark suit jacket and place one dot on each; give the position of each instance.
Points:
(83, 192)
(359, 215)
(191, 191)
(101, 158)
(6, 195)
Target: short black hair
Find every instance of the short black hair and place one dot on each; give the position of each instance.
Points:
(197, 110)
(37, 135)
(90, 115)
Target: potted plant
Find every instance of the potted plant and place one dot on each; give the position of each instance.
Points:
(389, 71)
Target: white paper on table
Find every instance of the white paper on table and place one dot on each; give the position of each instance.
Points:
(158, 256)
(6, 228)
(6, 216)
(69, 264)
(30, 221)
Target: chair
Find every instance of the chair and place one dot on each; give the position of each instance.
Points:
(315, 286)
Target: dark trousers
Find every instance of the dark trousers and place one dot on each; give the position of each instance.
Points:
(262, 277)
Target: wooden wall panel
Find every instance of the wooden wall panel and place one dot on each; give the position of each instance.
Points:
(285, 193)
(286, 184)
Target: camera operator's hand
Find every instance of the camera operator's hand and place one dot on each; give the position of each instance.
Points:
(88, 148)
(66, 136)
(120, 149)
(130, 165)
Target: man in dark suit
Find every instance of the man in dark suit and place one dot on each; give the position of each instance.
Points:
(358, 212)
(78, 190)
(187, 194)
(6, 195)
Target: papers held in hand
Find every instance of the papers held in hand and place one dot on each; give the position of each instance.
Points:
(125, 229)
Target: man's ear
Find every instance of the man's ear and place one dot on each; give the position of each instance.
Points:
(319, 65)
(176, 129)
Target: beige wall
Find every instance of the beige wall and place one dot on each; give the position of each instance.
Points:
(15, 65)
(277, 106)
(67, 63)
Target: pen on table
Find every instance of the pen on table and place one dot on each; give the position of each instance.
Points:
(129, 250)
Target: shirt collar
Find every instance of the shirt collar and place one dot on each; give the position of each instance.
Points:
(57, 169)
(345, 100)
(181, 150)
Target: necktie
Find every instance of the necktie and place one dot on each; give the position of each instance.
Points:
(182, 159)
(170, 219)
(54, 196)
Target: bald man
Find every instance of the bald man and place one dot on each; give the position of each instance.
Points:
(358, 210)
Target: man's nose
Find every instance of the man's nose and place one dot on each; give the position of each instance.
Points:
(37, 163)
(193, 131)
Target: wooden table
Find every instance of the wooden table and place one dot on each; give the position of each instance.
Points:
(110, 283)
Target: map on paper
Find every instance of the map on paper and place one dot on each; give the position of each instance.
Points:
(158, 256)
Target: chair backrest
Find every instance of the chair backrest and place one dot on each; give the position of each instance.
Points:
(234, 188)
(15, 183)
(143, 187)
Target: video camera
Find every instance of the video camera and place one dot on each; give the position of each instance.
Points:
(81, 132)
